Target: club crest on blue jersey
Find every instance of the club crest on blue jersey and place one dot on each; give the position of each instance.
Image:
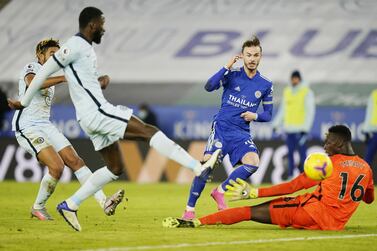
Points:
(258, 94)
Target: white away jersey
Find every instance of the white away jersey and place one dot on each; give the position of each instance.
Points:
(79, 61)
(38, 112)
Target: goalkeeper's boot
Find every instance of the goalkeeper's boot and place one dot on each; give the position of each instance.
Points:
(219, 198)
(112, 202)
(210, 165)
(171, 222)
(69, 215)
(41, 214)
(188, 215)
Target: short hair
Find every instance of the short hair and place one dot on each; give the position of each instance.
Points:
(87, 15)
(43, 45)
(254, 41)
(296, 74)
(342, 131)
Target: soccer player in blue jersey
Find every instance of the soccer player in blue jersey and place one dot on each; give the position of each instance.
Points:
(244, 89)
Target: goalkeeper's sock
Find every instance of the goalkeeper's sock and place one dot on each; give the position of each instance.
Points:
(243, 172)
(228, 216)
(168, 148)
(82, 176)
(197, 187)
(46, 188)
(95, 182)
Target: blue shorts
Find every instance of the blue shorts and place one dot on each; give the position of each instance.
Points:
(236, 143)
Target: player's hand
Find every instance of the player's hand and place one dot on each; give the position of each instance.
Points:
(249, 116)
(15, 104)
(104, 81)
(233, 60)
(240, 190)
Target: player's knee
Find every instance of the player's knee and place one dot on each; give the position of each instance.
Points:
(74, 162)
(56, 169)
(150, 130)
(251, 159)
(116, 169)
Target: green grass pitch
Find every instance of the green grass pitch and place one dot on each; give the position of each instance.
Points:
(138, 227)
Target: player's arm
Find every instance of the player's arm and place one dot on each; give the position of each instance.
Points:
(216, 80)
(241, 190)
(267, 102)
(67, 54)
(264, 116)
(104, 81)
(51, 81)
(369, 191)
(50, 67)
(297, 184)
(219, 79)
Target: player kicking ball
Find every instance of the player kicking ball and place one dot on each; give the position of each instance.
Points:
(329, 207)
(103, 122)
(38, 136)
(244, 89)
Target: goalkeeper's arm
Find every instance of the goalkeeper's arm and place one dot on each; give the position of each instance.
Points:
(241, 190)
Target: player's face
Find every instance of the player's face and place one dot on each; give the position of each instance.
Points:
(43, 57)
(98, 30)
(295, 81)
(251, 57)
(332, 144)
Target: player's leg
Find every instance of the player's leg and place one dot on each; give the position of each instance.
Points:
(112, 156)
(258, 213)
(138, 130)
(47, 156)
(249, 165)
(371, 149)
(302, 148)
(81, 171)
(198, 184)
(34, 141)
(291, 145)
(282, 211)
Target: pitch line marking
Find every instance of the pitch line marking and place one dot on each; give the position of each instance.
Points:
(226, 243)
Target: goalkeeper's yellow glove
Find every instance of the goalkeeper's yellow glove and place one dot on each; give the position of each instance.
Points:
(241, 190)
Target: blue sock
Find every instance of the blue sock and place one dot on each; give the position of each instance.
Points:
(197, 187)
(243, 172)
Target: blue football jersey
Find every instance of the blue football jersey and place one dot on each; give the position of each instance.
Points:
(241, 94)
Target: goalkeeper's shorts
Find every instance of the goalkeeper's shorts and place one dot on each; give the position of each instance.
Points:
(289, 212)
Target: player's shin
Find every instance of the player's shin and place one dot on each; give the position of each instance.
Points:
(46, 188)
(228, 216)
(82, 176)
(243, 172)
(95, 182)
(170, 149)
(197, 187)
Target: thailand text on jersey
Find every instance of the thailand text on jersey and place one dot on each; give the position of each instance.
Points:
(242, 94)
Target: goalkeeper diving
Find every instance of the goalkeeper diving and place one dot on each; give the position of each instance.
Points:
(328, 207)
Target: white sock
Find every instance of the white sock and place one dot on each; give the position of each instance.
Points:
(95, 182)
(46, 188)
(220, 189)
(83, 175)
(173, 151)
(191, 209)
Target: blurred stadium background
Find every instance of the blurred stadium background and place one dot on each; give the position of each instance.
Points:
(162, 52)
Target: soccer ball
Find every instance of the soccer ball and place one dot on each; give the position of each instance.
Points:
(318, 166)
